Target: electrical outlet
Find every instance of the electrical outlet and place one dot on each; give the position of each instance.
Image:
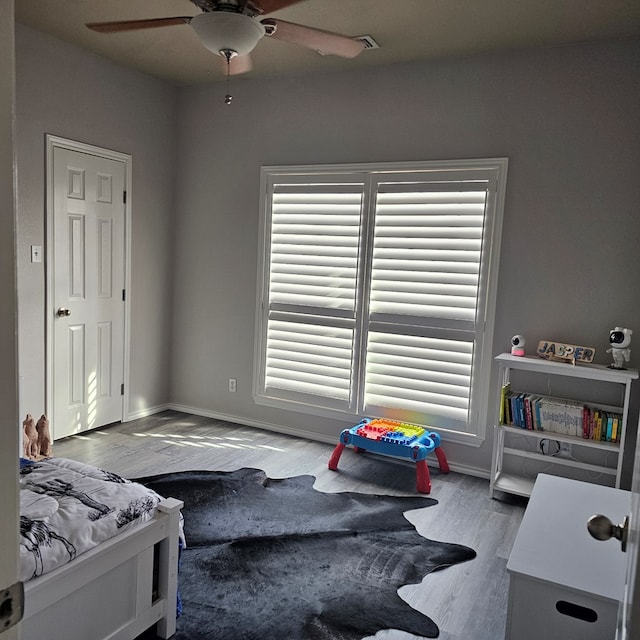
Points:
(233, 385)
(565, 450)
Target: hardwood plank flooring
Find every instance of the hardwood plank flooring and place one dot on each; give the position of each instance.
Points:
(467, 601)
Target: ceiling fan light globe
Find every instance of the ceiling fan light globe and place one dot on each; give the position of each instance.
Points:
(220, 30)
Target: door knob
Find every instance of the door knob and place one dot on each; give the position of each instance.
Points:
(62, 312)
(601, 528)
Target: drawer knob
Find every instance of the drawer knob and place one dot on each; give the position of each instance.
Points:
(601, 528)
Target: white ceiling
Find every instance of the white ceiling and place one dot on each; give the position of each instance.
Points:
(405, 29)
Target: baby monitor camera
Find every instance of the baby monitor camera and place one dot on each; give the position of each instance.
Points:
(517, 345)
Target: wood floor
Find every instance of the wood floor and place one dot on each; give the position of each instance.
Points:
(467, 601)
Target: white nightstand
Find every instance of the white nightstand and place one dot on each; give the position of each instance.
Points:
(564, 584)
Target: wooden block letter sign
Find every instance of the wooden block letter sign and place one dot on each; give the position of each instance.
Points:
(566, 352)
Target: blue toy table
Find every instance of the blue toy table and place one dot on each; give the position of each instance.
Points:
(397, 439)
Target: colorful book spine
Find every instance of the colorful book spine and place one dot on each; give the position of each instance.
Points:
(528, 422)
(616, 426)
(506, 389)
(609, 427)
(558, 415)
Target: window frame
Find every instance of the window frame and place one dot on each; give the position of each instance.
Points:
(487, 286)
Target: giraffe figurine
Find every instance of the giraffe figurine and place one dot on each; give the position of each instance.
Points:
(30, 438)
(44, 437)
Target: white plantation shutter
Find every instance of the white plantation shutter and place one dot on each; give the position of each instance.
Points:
(309, 358)
(315, 243)
(429, 377)
(427, 251)
(376, 294)
(315, 238)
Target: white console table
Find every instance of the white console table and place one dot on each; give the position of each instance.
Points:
(562, 582)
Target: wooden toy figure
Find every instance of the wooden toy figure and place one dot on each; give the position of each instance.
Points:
(29, 438)
(44, 437)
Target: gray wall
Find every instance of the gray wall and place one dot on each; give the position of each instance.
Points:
(567, 119)
(64, 91)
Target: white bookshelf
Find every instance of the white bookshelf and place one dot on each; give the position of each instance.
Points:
(508, 439)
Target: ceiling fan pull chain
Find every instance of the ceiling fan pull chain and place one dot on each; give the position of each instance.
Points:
(228, 54)
(228, 98)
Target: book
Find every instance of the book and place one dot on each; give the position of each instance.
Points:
(506, 389)
(616, 425)
(538, 416)
(558, 415)
(599, 427)
(533, 399)
(521, 419)
(528, 421)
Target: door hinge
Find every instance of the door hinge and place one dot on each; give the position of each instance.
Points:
(124, 197)
(11, 606)
(122, 389)
(124, 295)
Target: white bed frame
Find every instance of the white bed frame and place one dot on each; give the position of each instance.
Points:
(108, 592)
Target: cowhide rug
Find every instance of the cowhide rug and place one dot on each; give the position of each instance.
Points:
(277, 560)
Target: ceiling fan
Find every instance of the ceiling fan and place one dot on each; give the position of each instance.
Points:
(232, 28)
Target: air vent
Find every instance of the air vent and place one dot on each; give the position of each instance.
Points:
(369, 42)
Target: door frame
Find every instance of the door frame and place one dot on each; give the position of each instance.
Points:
(9, 452)
(53, 142)
(629, 610)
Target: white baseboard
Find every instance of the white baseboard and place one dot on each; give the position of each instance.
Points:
(147, 411)
(299, 433)
(267, 426)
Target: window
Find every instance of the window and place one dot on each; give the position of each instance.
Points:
(377, 290)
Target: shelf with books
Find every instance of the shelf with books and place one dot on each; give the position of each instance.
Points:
(560, 416)
(593, 431)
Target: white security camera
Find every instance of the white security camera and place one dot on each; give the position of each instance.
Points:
(517, 345)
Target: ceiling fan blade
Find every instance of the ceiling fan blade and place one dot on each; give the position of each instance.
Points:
(325, 42)
(267, 6)
(237, 65)
(131, 25)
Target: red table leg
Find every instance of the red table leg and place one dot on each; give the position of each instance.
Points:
(442, 460)
(335, 456)
(423, 479)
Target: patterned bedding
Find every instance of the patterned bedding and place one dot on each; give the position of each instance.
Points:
(67, 508)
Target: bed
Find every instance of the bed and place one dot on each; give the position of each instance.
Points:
(98, 554)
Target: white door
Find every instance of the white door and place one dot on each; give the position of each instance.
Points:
(88, 283)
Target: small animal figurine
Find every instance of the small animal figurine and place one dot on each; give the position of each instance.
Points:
(30, 438)
(619, 339)
(44, 436)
